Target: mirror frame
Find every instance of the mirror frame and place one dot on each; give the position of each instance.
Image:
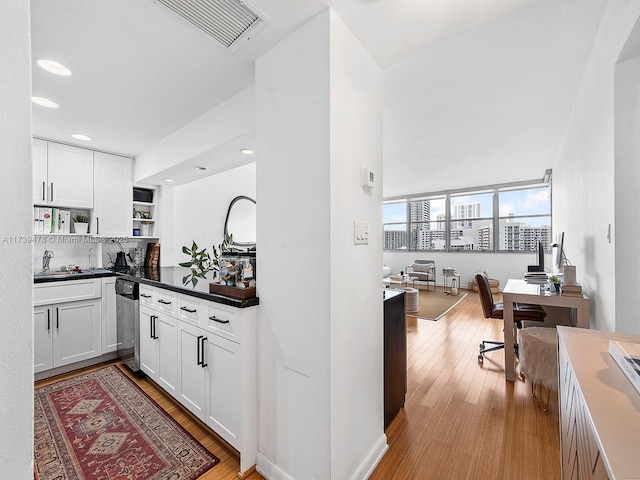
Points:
(226, 221)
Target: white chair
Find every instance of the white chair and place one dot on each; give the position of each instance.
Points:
(424, 271)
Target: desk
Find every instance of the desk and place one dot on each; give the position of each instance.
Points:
(519, 291)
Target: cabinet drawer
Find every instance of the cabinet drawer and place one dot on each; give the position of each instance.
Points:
(225, 322)
(192, 310)
(167, 302)
(66, 291)
(148, 297)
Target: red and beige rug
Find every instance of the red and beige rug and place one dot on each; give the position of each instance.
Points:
(102, 426)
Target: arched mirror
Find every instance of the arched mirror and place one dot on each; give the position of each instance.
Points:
(241, 222)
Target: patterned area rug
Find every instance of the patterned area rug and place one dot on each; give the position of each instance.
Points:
(102, 426)
(432, 305)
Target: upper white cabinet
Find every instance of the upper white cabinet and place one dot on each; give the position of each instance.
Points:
(112, 195)
(62, 175)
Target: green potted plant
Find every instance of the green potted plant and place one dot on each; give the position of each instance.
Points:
(556, 283)
(81, 224)
(201, 262)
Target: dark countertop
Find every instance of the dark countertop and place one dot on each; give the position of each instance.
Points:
(170, 278)
(58, 277)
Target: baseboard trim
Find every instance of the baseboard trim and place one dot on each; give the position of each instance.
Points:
(268, 469)
(370, 462)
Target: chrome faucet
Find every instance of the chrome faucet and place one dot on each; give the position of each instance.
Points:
(48, 255)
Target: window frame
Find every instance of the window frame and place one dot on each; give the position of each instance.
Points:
(448, 195)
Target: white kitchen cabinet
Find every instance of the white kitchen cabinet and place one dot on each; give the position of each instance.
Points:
(42, 339)
(109, 317)
(113, 195)
(225, 386)
(66, 333)
(193, 371)
(63, 177)
(159, 348)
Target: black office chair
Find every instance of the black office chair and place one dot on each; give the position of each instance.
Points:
(521, 312)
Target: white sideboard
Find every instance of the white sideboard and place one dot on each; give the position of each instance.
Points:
(599, 408)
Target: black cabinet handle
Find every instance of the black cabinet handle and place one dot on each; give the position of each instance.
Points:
(187, 310)
(51, 199)
(145, 295)
(153, 327)
(204, 339)
(200, 361)
(43, 190)
(57, 318)
(48, 319)
(164, 302)
(97, 225)
(213, 317)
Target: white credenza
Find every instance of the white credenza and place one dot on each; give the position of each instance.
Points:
(204, 354)
(599, 408)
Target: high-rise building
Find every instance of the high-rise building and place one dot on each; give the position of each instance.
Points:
(395, 240)
(420, 211)
(465, 211)
(520, 236)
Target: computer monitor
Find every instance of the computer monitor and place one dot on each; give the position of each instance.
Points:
(540, 257)
(560, 252)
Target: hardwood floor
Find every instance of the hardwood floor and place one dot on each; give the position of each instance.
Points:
(460, 421)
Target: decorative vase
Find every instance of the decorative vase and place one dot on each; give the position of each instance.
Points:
(80, 228)
(557, 288)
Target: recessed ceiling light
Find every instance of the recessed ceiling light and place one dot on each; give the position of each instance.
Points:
(44, 102)
(247, 151)
(168, 179)
(200, 167)
(54, 67)
(80, 136)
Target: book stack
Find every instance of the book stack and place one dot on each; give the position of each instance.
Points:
(627, 356)
(572, 290)
(51, 220)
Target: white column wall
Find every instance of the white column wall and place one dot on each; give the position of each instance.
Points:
(627, 182)
(16, 298)
(357, 438)
(318, 100)
(583, 175)
(293, 235)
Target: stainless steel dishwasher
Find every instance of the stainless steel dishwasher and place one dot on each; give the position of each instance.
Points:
(128, 323)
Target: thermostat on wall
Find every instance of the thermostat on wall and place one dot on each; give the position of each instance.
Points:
(368, 179)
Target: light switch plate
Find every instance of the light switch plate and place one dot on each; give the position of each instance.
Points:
(360, 233)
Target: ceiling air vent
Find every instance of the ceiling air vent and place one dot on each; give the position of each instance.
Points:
(227, 21)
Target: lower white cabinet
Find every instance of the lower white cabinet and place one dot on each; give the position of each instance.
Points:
(158, 348)
(215, 362)
(66, 333)
(109, 317)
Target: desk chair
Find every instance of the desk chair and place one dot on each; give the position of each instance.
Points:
(521, 312)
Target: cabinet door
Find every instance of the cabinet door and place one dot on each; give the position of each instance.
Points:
(109, 319)
(113, 196)
(39, 162)
(77, 331)
(192, 374)
(148, 344)
(70, 176)
(225, 388)
(42, 339)
(167, 333)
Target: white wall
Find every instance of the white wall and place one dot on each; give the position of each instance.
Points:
(318, 117)
(200, 209)
(487, 106)
(583, 175)
(16, 298)
(356, 309)
(627, 186)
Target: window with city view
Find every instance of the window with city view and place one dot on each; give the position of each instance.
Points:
(467, 220)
